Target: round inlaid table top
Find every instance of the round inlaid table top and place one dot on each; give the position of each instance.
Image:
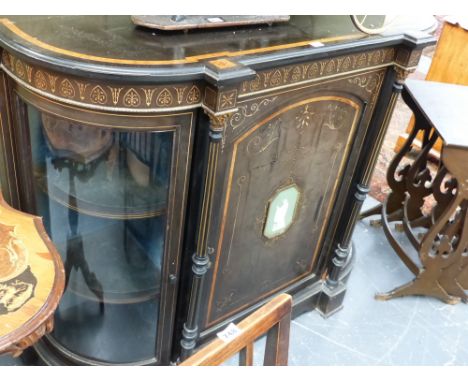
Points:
(31, 280)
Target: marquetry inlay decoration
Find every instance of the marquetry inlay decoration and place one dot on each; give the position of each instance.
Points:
(209, 98)
(227, 100)
(370, 82)
(131, 98)
(164, 98)
(245, 112)
(223, 63)
(98, 95)
(298, 73)
(367, 85)
(194, 95)
(94, 94)
(67, 89)
(31, 280)
(408, 57)
(52, 81)
(115, 91)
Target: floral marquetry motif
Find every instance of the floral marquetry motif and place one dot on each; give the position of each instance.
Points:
(19, 67)
(304, 117)
(276, 78)
(29, 72)
(6, 58)
(40, 80)
(180, 94)
(164, 98)
(193, 95)
(52, 82)
(149, 96)
(67, 89)
(228, 99)
(131, 98)
(98, 95)
(82, 88)
(115, 94)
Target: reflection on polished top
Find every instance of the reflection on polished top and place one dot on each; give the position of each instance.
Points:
(111, 45)
(116, 40)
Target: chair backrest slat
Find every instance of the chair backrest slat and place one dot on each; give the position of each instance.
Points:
(246, 356)
(273, 318)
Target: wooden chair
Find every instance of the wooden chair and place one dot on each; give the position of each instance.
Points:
(31, 280)
(274, 319)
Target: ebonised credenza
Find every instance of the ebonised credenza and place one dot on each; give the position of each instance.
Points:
(186, 178)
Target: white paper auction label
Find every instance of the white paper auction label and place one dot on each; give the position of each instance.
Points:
(215, 19)
(316, 44)
(229, 333)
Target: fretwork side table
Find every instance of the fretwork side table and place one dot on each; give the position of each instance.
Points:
(439, 236)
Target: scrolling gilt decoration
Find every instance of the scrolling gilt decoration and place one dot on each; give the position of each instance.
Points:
(103, 95)
(323, 68)
(248, 111)
(366, 85)
(370, 83)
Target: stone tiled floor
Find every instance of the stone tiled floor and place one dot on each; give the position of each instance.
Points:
(405, 331)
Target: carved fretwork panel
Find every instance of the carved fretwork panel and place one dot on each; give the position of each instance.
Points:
(305, 144)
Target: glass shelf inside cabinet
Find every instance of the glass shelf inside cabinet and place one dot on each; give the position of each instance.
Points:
(102, 193)
(107, 173)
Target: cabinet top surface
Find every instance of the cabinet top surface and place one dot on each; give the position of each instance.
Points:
(113, 45)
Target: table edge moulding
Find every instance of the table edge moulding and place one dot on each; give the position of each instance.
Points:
(37, 275)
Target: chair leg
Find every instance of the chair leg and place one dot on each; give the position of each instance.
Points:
(277, 344)
(246, 356)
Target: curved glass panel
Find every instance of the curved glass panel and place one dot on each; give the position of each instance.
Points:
(103, 197)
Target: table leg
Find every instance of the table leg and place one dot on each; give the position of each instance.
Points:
(443, 249)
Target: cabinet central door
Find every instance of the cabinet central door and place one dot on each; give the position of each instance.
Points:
(282, 178)
(107, 198)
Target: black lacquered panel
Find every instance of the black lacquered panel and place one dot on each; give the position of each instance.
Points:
(283, 175)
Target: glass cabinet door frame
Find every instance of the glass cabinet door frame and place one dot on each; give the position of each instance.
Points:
(182, 126)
